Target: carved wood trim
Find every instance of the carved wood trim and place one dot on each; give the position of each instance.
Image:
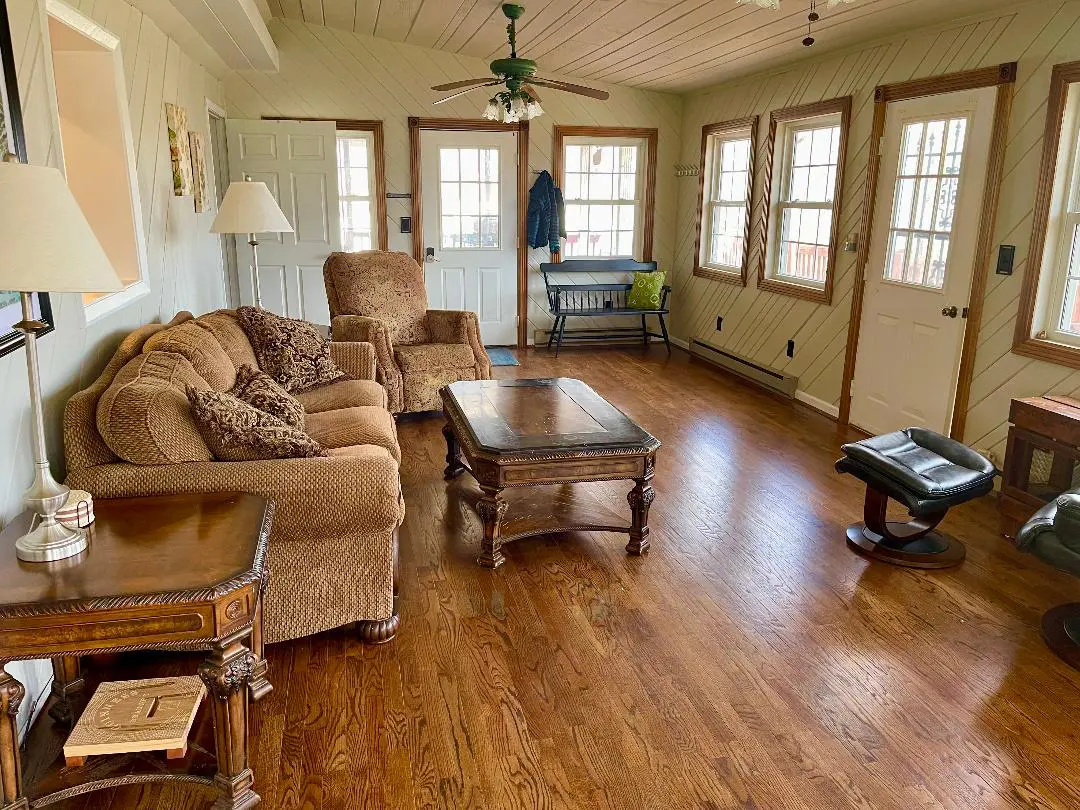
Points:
(1005, 73)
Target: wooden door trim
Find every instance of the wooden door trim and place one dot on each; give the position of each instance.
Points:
(1003, 77)
(376, 130)
(651, 138)
(416, 125)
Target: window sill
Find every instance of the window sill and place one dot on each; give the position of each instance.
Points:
(103, 307)
(819, 295)
(726, 276)
(1048, 351)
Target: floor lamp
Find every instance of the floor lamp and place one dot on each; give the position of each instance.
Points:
(46, 245)
(249, 207)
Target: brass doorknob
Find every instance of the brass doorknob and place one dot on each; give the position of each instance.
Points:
(949, 312)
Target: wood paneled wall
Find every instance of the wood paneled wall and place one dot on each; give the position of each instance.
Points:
(758, 324)
(184, 263)
(328, 73)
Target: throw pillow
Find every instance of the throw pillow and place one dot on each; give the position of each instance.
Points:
(258, 389)
(236, 431)
(291, 351)
(646, 291)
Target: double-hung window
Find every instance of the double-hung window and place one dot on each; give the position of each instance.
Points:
(356, 189)
(807, 151)
(727, 163)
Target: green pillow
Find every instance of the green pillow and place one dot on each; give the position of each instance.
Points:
(647, 290)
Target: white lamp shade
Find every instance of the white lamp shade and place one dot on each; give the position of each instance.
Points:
(249, 207)
(46, 244)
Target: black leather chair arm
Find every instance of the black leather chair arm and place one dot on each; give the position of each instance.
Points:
(1053, 533)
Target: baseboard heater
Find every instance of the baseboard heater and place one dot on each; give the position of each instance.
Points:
(747, 369)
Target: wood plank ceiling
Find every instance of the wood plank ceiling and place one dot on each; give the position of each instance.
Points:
(671, 45)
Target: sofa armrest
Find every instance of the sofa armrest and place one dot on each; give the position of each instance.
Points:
(455, 326)
(354, 358)
(314, 496)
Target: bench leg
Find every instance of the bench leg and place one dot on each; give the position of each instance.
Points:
(554, 329)
(663, 331)
(559, 337)
(644, 332)
(914, 544)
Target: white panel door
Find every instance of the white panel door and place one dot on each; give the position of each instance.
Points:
(470, 227)
(918, 278)
(298, 162)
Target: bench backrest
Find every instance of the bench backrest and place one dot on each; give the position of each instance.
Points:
(592, 297)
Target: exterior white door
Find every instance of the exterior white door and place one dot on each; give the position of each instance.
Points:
(469, 184)
(298, 162)
(918, 278)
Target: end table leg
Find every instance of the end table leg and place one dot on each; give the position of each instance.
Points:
(491, 508)
(260, 686)
(640, 498)
(454, 467)
(227, 673)
(11, 787)
(67, 681)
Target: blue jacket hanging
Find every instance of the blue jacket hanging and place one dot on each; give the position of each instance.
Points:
(545, 215)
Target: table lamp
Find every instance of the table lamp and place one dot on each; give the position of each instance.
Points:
(249, 207)
(46, 245)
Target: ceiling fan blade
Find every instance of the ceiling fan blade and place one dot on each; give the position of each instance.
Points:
(554, 84)
(442, 88)
(466, 90)
(532, 92)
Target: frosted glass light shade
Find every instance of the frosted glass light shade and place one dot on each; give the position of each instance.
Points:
(249, 207)
(46, 244)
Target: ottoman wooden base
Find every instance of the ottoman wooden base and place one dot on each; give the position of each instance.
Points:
(930, 550)
(1061, 631)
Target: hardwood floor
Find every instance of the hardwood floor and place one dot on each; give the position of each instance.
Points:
(748, 660)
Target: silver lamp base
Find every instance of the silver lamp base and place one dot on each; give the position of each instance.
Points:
(49, 541)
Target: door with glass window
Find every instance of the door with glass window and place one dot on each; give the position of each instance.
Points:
(469, 185)
(918, 277)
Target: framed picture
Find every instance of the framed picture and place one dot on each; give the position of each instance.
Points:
(13, 142)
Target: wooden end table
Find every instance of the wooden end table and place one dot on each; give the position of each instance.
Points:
(177, 573)
(530, 433)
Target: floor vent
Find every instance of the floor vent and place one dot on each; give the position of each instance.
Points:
(747, 369)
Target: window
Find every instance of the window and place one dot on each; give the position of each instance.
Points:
(727, 164)
(807, 146)
(1048, 326)
(607, 176)
(355, 162)
(468, 197)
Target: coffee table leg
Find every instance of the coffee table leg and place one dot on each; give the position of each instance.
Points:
(227, 674)
(260, 685)
(11, 787)
(454, 467)
(491, 508)
(67, 681)
(640, 499)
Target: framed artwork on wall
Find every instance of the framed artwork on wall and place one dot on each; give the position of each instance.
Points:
(13, 142)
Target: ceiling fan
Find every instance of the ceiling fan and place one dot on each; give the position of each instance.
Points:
(519, 101)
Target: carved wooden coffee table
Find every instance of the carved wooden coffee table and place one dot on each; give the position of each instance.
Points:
(530, 433)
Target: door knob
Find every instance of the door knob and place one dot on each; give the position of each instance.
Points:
(429, 255)
(949, 312)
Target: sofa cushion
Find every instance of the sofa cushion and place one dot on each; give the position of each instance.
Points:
(201, 349)
(144, 417)
(259, 390)
(360, 425)
(236, 431)
(224, 325)
(291, 351)
(342, 394)
(433, 357)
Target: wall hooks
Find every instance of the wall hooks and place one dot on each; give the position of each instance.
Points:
(686, 170)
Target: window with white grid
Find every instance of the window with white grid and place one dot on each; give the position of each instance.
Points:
(1062, 247)
(356, 190)
(468, 197)
(725, 211)
(603, 189)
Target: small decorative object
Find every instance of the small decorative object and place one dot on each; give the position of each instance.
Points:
(198, 171)
(155, 714)
(179, 149)
(78, 512)
(811, 18)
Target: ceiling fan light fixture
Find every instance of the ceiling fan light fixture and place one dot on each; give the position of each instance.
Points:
(491, 112)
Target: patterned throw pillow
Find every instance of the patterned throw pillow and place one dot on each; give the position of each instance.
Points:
(236, 431)
(259, 390)
(292, 352)
(647, 290)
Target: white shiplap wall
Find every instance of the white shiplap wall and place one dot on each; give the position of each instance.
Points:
(184, 264)
(759, 324)
(328, 73)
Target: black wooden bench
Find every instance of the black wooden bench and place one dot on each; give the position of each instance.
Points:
(599, 300)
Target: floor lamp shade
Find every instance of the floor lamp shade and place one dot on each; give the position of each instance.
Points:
(249, 207)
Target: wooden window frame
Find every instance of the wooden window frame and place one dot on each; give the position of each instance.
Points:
(1024, 343)
(651, 138)
(836, 106)
(708, 133)
(378, 165)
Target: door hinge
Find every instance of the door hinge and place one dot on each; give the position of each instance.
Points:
(964, 312)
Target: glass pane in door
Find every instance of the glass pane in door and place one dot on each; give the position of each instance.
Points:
(468, 197)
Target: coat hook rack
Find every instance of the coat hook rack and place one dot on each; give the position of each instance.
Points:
(686, 170)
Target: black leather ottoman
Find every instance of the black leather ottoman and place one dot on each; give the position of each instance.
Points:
(928, 473)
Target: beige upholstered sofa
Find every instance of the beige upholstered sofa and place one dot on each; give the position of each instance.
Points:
(379, 297)
(333, 544)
